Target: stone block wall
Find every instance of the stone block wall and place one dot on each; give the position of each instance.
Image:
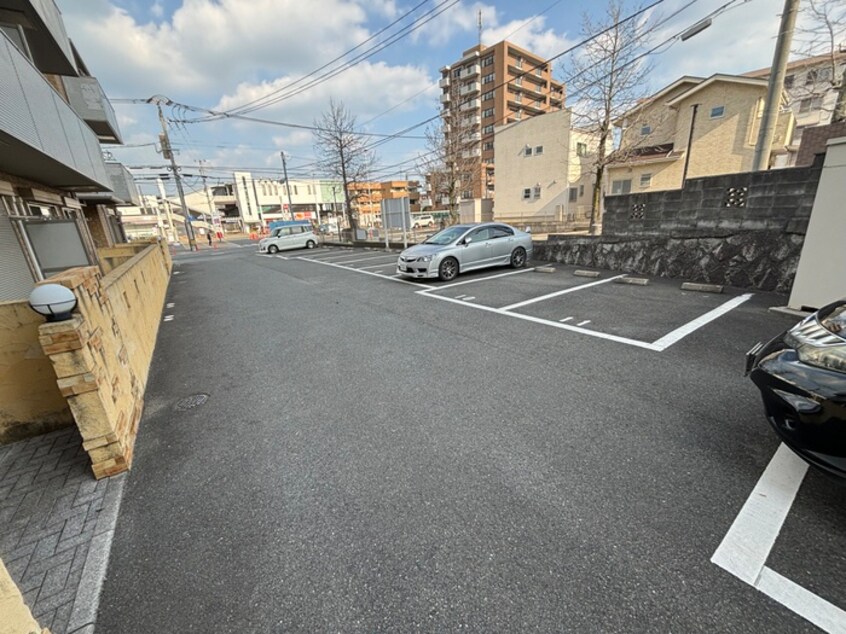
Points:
(764, 260)
(113, 257)
(773, 200)
(102, 355)
(30, 401)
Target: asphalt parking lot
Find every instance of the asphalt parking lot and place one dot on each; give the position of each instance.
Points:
(512, 451)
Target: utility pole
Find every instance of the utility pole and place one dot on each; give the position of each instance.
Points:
(213, 215)
(174, 236)
(775, 87)
(167, 152)
(287, 184)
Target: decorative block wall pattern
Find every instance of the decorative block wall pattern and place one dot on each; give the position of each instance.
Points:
(102, 355)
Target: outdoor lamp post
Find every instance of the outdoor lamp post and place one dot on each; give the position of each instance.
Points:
(54, 301)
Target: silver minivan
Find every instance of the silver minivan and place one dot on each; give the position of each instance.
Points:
(292, 236)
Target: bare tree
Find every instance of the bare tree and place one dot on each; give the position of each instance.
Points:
(822, 32)
(342, 152)
(607, 82)
(452, 162)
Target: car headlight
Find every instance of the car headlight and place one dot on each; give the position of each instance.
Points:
(817, 346)
(425, 258)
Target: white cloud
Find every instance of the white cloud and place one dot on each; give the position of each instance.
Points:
(157, 9)
(366, 90)
(529, 34)
(208, 45)
(461, 18)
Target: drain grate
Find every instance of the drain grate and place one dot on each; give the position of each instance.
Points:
(190, 402)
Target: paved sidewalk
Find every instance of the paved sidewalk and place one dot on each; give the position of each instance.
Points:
(56, 525)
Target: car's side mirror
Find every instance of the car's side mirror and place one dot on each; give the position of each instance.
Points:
(467, 241)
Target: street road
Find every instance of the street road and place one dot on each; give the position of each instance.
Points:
(380, 456)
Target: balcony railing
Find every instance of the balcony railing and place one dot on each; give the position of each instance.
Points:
(444, 83)
(89, 101)
(48, 143)
(468, 89)
(445, 97)
(471, 153)
(473, 104)
(471, 70)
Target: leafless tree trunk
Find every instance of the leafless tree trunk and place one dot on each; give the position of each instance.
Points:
(449, 162)
(822, 31)
(604, 82)
(342, 152)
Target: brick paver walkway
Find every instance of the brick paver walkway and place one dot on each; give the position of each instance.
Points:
(51, 510)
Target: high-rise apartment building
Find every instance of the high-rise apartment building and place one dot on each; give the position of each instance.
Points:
(488, 87)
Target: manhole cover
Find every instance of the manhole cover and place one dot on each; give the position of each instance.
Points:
(190, 402)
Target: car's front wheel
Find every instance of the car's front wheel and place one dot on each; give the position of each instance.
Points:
(448, 270)
(518, 258)
(310, 244)
(272, 249)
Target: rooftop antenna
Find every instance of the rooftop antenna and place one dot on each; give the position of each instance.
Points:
(480, 28)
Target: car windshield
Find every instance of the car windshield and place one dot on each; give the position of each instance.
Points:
(448, 235)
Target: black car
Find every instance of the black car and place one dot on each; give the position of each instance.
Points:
(802, 378)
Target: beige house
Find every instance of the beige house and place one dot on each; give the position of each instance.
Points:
(544, 171)
(692, 128)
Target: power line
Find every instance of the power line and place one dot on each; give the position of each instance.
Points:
(340, 57)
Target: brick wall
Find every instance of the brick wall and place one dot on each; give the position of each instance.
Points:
(814, 141)
(773, 200)
(102, 355)
(30, 401)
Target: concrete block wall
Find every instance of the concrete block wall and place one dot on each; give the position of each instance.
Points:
(30, 401)
(773, 200)
(102, 355)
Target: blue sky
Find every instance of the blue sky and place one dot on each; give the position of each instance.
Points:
(223, 53)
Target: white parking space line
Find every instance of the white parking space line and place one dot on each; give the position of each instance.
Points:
(747, 545)
(372, 257)
(169, 305)
(168, 318)
(377, 272)
(469, 299)
(583, 323)
(559, 293)
(745, 548)
(483, 279)
(460, 296)
(372, 266)
(282, 257)
(392, 278)
(545, 322)
(824, 615)
(679, 333)
(565, 319)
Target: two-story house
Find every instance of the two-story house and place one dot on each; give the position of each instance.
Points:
(694, 127)
(53, 117)
(545, 172)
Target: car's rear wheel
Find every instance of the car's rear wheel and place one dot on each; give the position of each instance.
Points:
(518, 258)
(273, 249)
(448, 269)
(431, 224)
(310, 244)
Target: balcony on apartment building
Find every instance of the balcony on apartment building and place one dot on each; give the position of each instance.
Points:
(124, 191)
(47, 40)
(470, 71)
(472, 104)
(472, 137)
(471, 153)
(445, 97)
(469, 89)
(471, 121)
(444, 83)
(46, 140)
(89, 101)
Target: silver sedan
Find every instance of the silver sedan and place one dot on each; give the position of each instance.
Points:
(466, 247)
